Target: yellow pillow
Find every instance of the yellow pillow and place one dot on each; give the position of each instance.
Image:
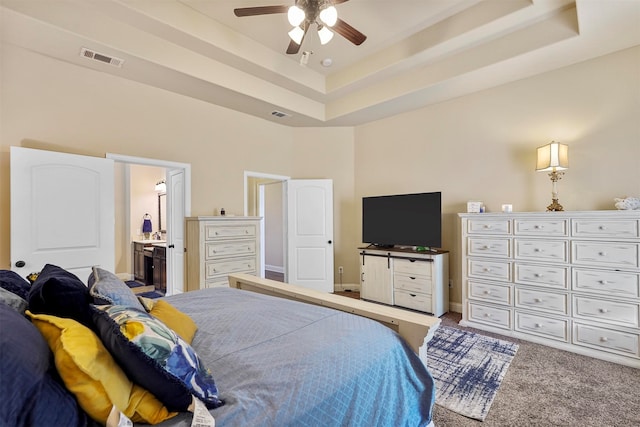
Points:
(176, 320)
(93, 376)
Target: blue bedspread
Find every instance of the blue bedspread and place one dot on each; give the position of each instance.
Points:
(284, 363)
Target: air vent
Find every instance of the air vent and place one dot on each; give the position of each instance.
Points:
(280, 114)
(87, 53)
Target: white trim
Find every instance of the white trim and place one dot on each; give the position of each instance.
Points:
(250, 174)
(274, 268)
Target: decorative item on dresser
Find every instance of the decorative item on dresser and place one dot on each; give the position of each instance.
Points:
(218, 246)
(553, 158)
(406, 278)
(569, 280)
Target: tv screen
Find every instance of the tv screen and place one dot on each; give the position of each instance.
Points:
(403, 220)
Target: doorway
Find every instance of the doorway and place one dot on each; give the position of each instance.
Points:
(177, 207)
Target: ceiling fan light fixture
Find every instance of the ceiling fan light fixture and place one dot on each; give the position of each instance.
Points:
(295, 16)
(329, 16)
(296, 34)
(325, 35)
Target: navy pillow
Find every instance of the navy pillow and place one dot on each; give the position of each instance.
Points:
(60, 293)
(31, 393)
(12, 282)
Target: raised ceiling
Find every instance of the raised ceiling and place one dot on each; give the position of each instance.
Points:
(417, 52)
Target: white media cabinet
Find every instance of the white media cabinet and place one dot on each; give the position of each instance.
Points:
(406, 278)
(570, 280)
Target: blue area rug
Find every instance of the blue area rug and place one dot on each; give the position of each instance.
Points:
(468, 369)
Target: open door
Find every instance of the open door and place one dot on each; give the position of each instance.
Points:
(175, 231)
(62, 212)
(309, 228)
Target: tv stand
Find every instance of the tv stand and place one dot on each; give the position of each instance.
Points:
(406, 278)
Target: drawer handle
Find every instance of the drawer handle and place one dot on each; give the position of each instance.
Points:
(538, 300)
(537, 275)
(603, 282)
(538, 325)
(487, 269)
(602, 253)
(487, 315)
(538, 250)
(604, 339)
(486, 247)
(603, 310)
(602, 227)
(487, 226)
(538, 227)
(412, 278)
(487, 292)
(413, 295)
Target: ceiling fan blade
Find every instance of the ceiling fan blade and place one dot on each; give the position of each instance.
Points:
(348, 32)
(260, 10)
(295, 47)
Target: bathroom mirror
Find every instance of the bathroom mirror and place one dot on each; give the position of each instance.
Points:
(162, 212)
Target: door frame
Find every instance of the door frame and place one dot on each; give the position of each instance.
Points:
(261, 211)
(143, 161)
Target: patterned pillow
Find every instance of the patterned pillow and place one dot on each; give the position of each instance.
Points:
(155, 357)
(106, 288)
(91, 374)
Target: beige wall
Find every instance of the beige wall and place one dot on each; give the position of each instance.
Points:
(483, 146)
(480, 146)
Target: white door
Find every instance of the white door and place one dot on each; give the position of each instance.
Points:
(62, 212)
(175, 231)
(309, 218)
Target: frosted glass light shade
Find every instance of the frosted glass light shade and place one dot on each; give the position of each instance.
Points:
(295, 16)
(553, 156)
(325, 35)
(296, 34)
(329, 16)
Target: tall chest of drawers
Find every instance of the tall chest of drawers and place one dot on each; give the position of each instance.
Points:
(217, 246)
(569, 280)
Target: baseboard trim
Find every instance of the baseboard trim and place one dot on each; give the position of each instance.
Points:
(274, 268)
(456, 307)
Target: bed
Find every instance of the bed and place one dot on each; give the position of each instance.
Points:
(282, 355)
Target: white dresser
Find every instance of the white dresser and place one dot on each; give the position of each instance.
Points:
(569, 280)
(405, 278)
(219, 245)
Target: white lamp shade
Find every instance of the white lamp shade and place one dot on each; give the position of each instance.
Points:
(553, 156)
(329, 16)
(295, 16)
(325, 35)
(296, 34)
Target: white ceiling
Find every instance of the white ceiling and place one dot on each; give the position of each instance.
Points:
(417, 52)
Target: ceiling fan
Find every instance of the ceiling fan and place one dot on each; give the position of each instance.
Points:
(305, 13)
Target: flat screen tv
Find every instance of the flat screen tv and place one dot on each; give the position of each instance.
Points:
(403, 220)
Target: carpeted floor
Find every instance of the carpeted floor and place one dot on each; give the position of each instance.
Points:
(549, 387)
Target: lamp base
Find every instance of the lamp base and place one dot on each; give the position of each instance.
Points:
(555, 206)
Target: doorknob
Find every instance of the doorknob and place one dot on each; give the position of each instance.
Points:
(329, 242)
(171, 246)
(20, 264)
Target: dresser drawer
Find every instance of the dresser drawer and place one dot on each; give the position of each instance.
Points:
(489, 292)
(541, 227)
(624, 228)
(620, 342)
(548, 327)
(621, 313)
(611, 254)
(223, 249)
(413, 267)
(499, 270)
(415, 283)
(244, 265)
(489, 226)
(219, 282)
(542, 300)
(494, 316)
(542, 250)
(213, 232)
(484, 246)
(542, 275)
(612, 283)
(414, 301)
